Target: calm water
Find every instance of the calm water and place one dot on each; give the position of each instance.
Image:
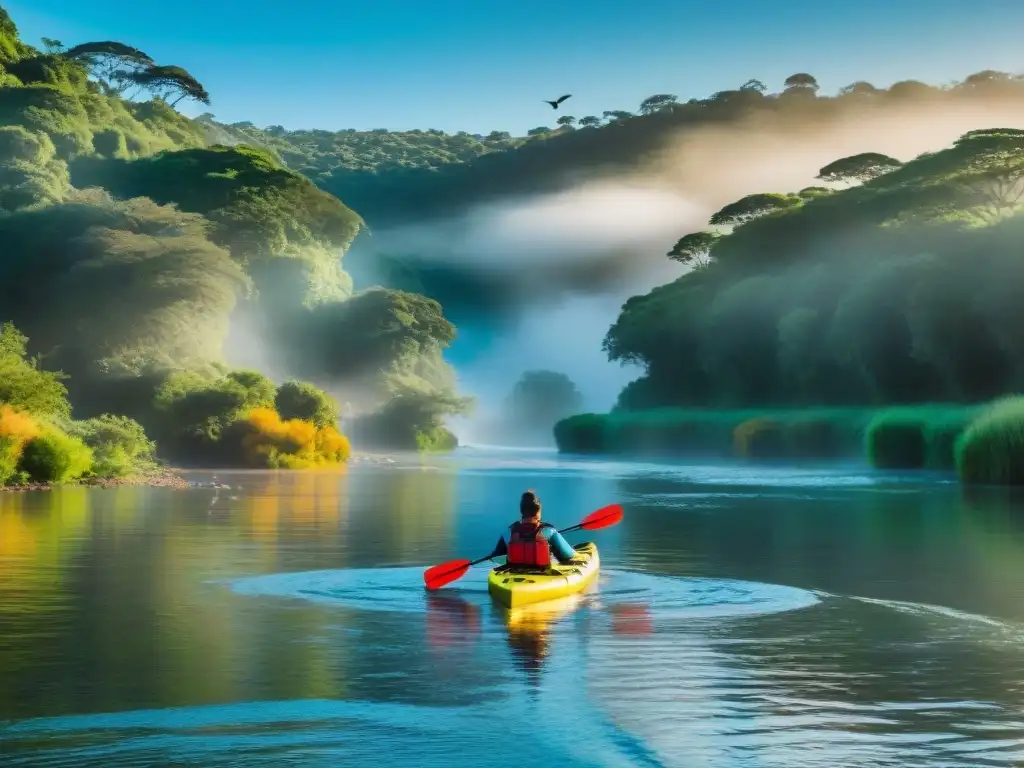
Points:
(762, 618)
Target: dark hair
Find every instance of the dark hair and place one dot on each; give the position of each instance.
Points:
(529, 505)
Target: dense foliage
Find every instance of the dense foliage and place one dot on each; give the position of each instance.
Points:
(903, 289)
(133, 246)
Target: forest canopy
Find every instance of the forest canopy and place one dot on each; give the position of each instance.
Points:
(135, 244)
(903, 288)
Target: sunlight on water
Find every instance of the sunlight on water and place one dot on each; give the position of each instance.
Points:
(401, 589)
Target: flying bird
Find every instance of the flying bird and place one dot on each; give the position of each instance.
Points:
(554, 104)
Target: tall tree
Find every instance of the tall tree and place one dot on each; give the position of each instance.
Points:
(694, 250)
(858, 168)
(801, 81)
(170, 83)
(110, 61)
(657, 102)
(752, 207)
(566, 121)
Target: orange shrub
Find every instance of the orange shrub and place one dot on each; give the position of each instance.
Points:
(16, 429)
(270, 441)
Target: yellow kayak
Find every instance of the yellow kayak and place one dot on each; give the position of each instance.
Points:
(515, 587)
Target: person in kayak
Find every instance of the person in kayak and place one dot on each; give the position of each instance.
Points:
(532, 543)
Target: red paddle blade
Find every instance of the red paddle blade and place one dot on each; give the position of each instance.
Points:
(602, 518)
(445, 573)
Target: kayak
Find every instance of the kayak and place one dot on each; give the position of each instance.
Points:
(516, 587)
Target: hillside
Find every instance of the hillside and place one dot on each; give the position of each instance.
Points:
(134, 247)
(394, 178)
(892, 283)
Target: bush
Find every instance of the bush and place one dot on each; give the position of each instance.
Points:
(991, 449)
(303, 401)
(759, 439)
(436, 440)
(264, 439)
(583, 433)
(120, 446)
(22, 385)
(10, 452)
(53, 457)
(797, 434)
(260, 391)
(896, 441)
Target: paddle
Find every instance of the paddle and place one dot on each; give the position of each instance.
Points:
(445, 573)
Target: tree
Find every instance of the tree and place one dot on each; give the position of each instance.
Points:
(111, 62)
(984, 78)
(694, 249)
(859, 88)
(52, 46)
(540, 399)
(566, 121)
(590, 121)
(807, 193)
(910, 89)
(169, 83)
(858, 168)
(498, 136)
(801, 81)
(989, 171)
(656, 103)
(754, 85)
(752, 207)
(538, 131)
(301, 400)
(375, 331)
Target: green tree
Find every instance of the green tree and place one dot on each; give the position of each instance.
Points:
(801, 82)
(754, 85)
(590, 121)
(110, 61)
(657, 103)
(168, 83)
(752, 207)
(694, 250)
(858, 168)
(566, 121)
(302, 400)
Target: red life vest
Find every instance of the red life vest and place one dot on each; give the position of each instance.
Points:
(527, 546)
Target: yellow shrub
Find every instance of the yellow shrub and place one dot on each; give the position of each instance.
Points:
(16, 429)
(273, 442)
(17, 426)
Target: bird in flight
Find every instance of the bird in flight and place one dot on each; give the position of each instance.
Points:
(554, 104)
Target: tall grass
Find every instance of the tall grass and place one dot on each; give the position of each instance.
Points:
(910, 437)
(991, 449)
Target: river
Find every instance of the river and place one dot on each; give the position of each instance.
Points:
(771, 618)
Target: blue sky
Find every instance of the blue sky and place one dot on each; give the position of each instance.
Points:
(475, 66)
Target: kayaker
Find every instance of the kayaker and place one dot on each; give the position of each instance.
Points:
(532, 543)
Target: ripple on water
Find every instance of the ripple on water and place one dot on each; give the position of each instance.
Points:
(401, 590)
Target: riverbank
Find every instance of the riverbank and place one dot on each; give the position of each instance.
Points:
(899, 437)
(171, 477)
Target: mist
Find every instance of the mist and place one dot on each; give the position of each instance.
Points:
(568, 260)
